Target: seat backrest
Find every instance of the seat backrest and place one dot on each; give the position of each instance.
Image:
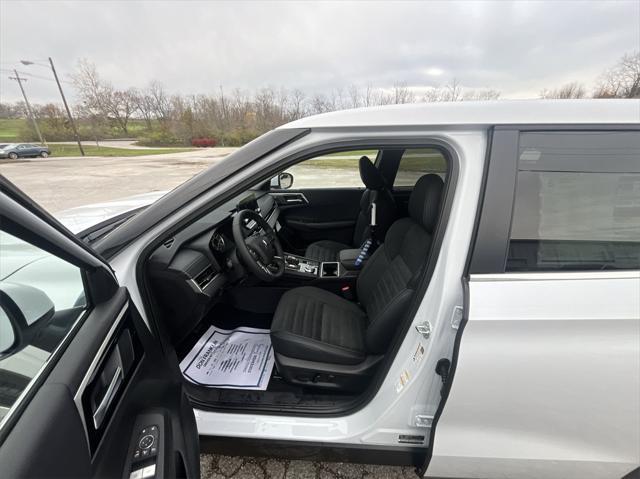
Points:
(388, 280)
(385, 204)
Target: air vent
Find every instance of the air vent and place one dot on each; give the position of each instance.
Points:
(205, 277)
(169, 243)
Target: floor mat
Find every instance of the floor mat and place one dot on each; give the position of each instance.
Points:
(241, 358)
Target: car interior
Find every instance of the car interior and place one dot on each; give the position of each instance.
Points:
(325, 259)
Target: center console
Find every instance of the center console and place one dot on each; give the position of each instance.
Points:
(301, 267)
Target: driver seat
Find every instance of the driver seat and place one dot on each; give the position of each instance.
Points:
(321, 339)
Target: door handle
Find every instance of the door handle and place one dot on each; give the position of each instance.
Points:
(105, 402)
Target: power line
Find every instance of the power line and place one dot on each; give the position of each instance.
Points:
(39, 77)
(26, 101)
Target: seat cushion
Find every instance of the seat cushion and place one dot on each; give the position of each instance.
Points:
(325, 250)
(316, 325)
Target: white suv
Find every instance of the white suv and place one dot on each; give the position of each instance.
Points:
(454, 286)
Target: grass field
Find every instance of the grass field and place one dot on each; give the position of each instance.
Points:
(92, 150)
(9, 129)
(414, 160)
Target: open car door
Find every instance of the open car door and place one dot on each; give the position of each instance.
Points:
(87, 388)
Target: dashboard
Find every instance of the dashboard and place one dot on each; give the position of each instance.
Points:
(191, 268)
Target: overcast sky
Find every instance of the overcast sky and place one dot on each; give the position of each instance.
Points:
(518, 48)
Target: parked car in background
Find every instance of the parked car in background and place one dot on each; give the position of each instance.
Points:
(23, 150)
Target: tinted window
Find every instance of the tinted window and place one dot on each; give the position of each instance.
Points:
(577, 202)
(418, 162)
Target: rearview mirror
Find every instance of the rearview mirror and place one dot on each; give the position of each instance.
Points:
(283, 181)
(24, 311)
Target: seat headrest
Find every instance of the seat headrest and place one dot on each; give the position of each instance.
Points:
(371, 176)
(424, 202)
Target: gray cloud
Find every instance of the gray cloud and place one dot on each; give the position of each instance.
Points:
(191, 46)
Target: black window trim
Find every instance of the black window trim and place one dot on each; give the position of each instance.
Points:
(494, 216)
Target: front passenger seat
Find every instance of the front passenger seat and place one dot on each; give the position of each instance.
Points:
(322, 339)
(377, 191)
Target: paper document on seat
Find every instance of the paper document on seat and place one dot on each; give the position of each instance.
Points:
(238, 359)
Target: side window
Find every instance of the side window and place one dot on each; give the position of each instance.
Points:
(577, 203)
(415, 163)
(41, 298)
(334, 170)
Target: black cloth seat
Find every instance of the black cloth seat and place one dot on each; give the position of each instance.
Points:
(313, 331)
(377, 190)
(319, 325)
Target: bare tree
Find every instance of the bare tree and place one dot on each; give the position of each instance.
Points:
(320, 104)
(402, 94)
(565, 92)
(621, 81)
(91, 89)
(160, 101)
(121, 105)
(144, 104)
(481, 94)
(354, 96)
(297, 107)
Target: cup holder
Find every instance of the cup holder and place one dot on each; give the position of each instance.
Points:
(329, 270)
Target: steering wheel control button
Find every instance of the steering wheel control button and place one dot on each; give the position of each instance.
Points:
(146, 442)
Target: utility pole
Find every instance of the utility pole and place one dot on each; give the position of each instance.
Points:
(66, 106)
(26, 102)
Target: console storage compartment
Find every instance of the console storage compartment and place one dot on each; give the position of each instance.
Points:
(330, 269)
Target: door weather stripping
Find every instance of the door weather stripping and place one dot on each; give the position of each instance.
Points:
(424, 329)
(456, 317)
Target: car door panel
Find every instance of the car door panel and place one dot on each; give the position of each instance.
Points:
(545, 377)
(328, 214)
(83, 414)
(559, 387)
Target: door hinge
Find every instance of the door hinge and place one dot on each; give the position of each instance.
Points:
(424, 329)
(456, 317)
(422, 420)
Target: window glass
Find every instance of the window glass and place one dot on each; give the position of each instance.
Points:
(49, 294)
(334, 170)
(418, 162)
(570, 219)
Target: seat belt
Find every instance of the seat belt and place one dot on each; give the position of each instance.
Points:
(369, 242)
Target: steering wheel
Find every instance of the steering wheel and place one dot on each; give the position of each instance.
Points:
(257, 245)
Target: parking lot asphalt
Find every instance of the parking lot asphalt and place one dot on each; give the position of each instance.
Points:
(62, 183)
(214, 466)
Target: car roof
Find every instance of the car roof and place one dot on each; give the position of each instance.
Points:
(496, 112)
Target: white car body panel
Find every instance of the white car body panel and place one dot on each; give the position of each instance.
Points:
(480, 113)
(391, 412)
(83, 217)
(547, 382)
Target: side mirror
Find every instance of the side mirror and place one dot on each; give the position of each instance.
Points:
(24, 311)
(283, 181)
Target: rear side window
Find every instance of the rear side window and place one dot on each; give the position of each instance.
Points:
(577, 204)
(417, 162)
